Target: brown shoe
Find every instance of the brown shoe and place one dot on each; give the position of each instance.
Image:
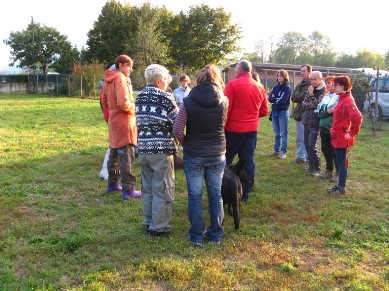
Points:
(326, 175)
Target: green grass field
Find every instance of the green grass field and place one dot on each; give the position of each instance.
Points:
(60, 230)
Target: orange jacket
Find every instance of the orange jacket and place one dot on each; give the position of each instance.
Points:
(117, 97)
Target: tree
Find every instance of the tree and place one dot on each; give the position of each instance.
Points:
(289, 47)
(345, 61)
(252, 57)
(320, 48)
(386, 57)
(205, 36)
(112, 34)
(368, 59)
(39, 46)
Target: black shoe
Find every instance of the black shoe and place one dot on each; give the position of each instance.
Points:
(154, 233)
(299, 161)
(332, 189)
(336, 191)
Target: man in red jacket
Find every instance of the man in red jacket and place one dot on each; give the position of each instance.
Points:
(247, 103)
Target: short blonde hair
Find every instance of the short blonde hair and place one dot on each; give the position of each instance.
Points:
(155, 72)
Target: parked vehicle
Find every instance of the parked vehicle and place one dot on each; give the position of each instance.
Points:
(383, 97)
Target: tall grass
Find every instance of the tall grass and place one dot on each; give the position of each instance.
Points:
(60, 230)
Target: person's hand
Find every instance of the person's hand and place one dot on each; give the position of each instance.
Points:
(347, 136)
(310, 90)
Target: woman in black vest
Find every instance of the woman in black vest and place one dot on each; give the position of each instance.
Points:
(204, 113)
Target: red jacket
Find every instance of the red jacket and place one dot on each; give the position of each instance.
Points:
(117, 96)
(347, 119)
(247, 103)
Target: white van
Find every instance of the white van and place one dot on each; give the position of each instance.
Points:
(383, 97)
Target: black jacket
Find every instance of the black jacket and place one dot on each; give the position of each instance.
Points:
(206, 108)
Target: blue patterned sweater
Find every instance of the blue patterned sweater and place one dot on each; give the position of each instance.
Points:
(156, 112)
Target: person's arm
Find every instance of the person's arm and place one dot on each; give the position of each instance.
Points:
(179, 124)
(299, 94)
(123, 94)
(272, 97)
(263, 110)
(285, 95)
(355, 118)
(229, 93)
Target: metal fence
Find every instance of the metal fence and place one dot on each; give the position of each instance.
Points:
(55, 84)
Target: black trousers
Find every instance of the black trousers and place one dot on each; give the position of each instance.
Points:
(328, 150)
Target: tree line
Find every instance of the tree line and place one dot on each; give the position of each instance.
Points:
(182, 42)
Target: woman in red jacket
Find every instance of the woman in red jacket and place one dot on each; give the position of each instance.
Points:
(346, 124)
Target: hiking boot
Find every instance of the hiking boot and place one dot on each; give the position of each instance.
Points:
(274, 154)
(326, 175)
(126, 195)
(206, 236)
(281, 155)
(336, 191)
(114, 188)
(299, 161)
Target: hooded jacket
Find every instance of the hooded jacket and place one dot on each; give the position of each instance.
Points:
(280, 97)
(347, 119)
(206, 109)
(117, 97)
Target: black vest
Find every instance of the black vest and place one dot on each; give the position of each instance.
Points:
(205, 126)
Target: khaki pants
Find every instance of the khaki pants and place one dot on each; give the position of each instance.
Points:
(158, 181)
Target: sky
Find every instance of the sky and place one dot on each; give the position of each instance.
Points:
(350, 26)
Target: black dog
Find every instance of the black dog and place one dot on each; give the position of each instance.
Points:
(232, 193)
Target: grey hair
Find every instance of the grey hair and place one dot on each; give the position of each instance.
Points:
(245, 65)
(316, 74)
(155, 72)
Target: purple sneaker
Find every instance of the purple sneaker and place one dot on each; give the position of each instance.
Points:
(126, 195)
(114, 188)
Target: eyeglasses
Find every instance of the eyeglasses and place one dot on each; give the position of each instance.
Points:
(337, 85)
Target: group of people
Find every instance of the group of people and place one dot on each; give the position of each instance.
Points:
(213, 123)
(324, 107)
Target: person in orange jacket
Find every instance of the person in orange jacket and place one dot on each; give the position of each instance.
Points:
(123, 133)
(346, 125)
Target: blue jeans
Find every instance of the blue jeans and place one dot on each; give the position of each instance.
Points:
(300, 146)
(341, 157)
(243, 144)
(280, 122)
(211, 170)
